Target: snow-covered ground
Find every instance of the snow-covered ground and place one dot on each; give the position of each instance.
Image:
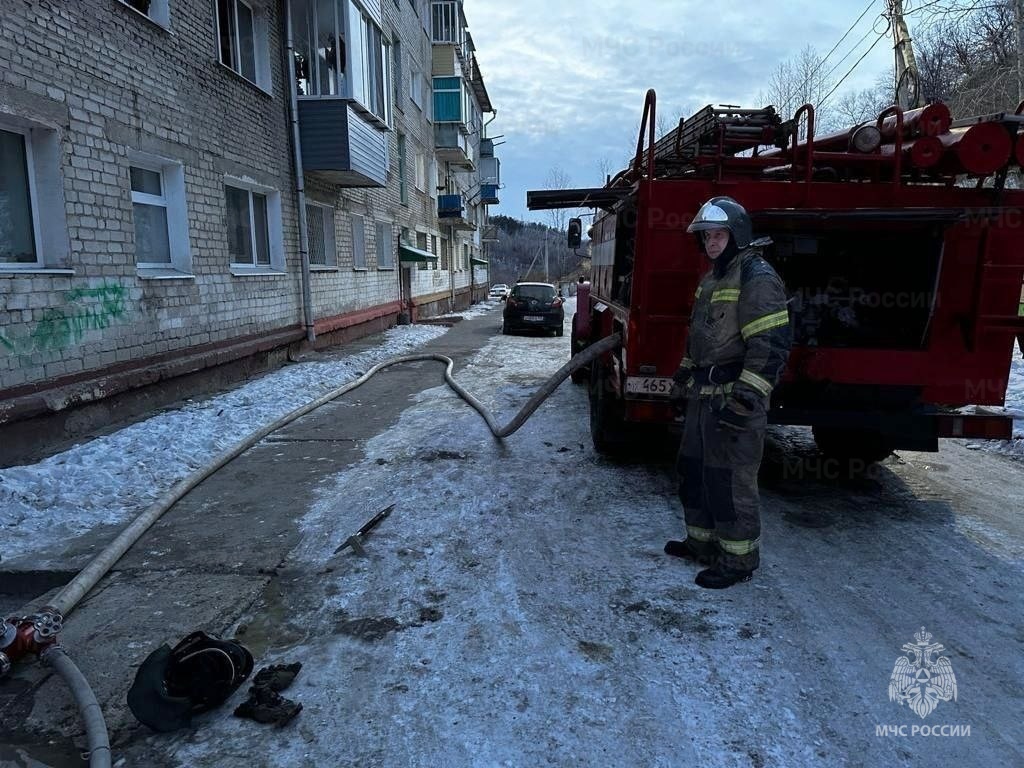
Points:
(112, 478)
(516, 609)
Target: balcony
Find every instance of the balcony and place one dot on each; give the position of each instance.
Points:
(339, 146)
(489, 194)
(451, 211)
(448, 25)
(451, 145)
(490, 170)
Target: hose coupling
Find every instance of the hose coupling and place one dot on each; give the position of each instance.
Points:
(28, 635)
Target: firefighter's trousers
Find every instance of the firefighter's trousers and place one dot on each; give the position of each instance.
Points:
(718, 484)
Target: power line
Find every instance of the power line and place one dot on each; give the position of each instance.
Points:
(850, 52)
(856, 64)
(818, 66)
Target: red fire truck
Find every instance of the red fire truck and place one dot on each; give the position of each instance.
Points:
(900, 243)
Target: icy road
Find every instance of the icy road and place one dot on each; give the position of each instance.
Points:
(516, 608)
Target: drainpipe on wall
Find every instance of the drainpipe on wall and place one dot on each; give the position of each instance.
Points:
(300, 185)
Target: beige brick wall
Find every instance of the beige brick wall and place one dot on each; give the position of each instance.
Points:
(111, 83)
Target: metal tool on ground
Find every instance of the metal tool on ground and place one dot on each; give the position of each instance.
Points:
(356, 539)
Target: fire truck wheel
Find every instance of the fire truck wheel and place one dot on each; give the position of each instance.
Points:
(608, 428)
(580, 375)
(853, 445)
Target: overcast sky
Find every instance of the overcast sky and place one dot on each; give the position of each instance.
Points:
(568, 78)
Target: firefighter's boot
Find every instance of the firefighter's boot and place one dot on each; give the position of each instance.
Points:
(721, 577)
(698, 552)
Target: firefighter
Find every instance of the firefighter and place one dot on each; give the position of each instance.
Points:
(737, 347)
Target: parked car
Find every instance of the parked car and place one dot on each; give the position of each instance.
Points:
(498, 291)
(533, 306)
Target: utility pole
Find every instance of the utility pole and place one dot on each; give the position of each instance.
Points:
(908, 92)
(1018, 22)
(546, 280)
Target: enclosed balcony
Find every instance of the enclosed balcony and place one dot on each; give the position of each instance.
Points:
(451, 211)
(448, 24)
(451, 145)
(339, 146)
(489, 194)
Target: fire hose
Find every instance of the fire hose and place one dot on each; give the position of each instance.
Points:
(37, 634)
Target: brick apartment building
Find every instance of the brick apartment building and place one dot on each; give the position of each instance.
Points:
(152, 221)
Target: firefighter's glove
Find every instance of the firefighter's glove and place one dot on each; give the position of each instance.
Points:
(736, 414)
(682, 385)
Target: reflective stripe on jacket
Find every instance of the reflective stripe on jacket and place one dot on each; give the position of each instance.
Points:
(741, 316)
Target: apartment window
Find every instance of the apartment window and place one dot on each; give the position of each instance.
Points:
(385, 246)
(396, 56)
(433, 244)
(449, 100)
(416, 87)
(421, 243)
(358, 242)
(320, 51)
(403, 189)
(371, 64)
(19, 228)
(159, 215)
(156, 10)
(242, 41)
(447, 27)
(254, 227)
(465, 256)
(320, 223)
(445, 254)
(421, 171)
(33, 226)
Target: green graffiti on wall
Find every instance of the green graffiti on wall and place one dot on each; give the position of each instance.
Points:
(84, 310)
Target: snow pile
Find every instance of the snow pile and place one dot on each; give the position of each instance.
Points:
(1014, 403)
(478, 310)
(113, 478)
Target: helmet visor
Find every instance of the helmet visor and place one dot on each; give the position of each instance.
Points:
(710, 216)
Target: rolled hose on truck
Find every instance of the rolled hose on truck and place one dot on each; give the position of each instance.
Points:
(37, 634)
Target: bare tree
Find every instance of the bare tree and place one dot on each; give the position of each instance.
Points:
(855, 107)
(604, 167)
(557, 178)
(803, 79)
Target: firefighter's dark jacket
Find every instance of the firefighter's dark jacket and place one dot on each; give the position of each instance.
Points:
(740, 318)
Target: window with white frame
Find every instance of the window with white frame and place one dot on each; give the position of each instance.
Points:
(445, 257)
(242, 41)
(403, 187)
(385, 246)
(421, 171)
(358, 242)
(465, 256)
(159, 215)
(156, 10)
(33, 223)
(320, 223)
(371, 64)
(416, 87)
(254, 227)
